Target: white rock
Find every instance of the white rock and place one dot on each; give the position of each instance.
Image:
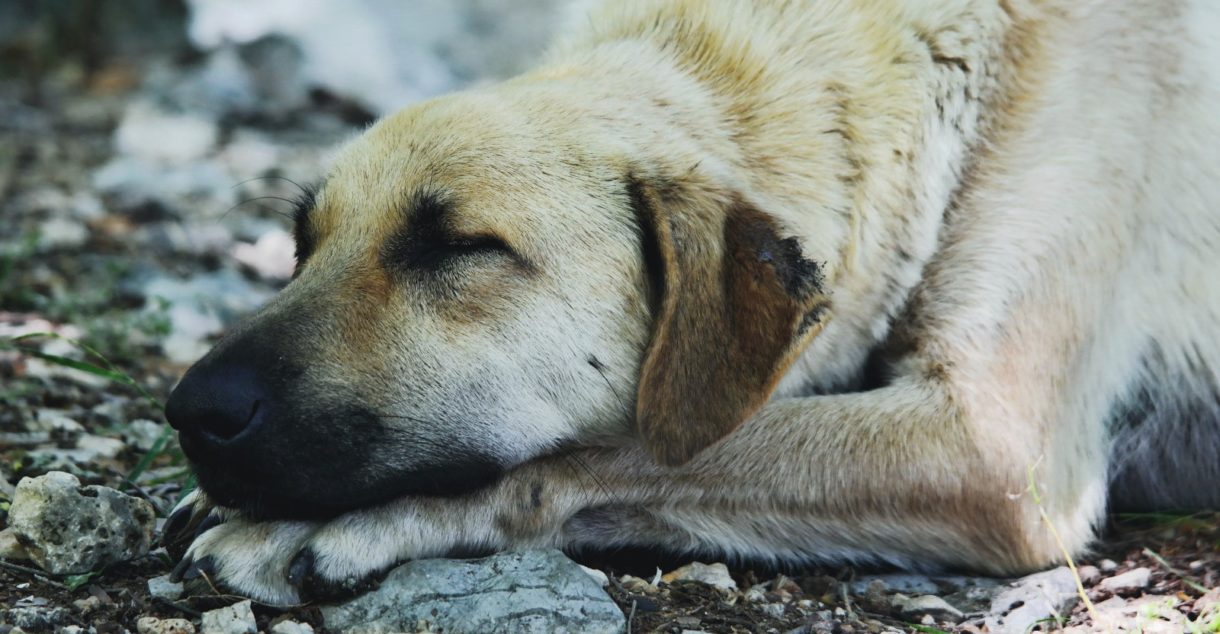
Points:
(234, 619)
(153, 625)
(1107, 565)
(150, 133)
(1031, 599)
(143, 433)
(291, 627)
(1131, 580)
(773, 610)
(61, 233)
(71, 529)
(164, 588)
(1089, 575)
(715, 575)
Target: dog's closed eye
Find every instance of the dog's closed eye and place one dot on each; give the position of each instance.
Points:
(431, 254)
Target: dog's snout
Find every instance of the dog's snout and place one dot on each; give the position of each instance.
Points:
(215, 403)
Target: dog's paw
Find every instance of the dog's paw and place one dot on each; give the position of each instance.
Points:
(194, 514)
(246, 558)
(290, 562)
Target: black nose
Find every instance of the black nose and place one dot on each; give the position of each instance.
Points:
(214, 403)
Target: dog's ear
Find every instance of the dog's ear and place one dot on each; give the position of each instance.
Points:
(734, 303)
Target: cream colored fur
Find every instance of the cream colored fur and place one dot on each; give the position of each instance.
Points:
(1016, 208)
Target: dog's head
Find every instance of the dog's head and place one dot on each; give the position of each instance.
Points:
(486, 278)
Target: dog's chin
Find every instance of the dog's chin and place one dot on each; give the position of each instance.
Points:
(305, 500)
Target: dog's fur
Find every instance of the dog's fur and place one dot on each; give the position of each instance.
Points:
(795, 280)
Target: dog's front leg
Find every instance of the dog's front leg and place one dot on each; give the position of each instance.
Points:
(898, 474)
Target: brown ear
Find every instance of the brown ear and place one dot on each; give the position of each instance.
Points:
(735, 305)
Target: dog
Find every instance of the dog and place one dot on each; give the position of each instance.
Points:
(925, 284)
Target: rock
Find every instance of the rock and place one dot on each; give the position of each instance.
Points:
(147, 132)
(163, 588)
(1107, 565)
(36, 618)
(773, 610)
(6, 488)
(234, 619)
(639, 586)
(61, 233)
(153, 625)
(597, 575)
(272, 257)
(70, 529)
(1127, 582)
(89, 448)
(529, 591)
(10, 548)
(1032, 599)
(143, 433)
(291, 627)
(926, 605)
(1089, 575)
(715, 575)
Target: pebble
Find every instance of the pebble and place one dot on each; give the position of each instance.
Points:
(773, 610)
(1089, 575)
(1107, 565)
(147, 132)
(72, 529)
(291, 627)
(6, 487)
(528, 591)
(1130, 581)
(163, 588)
(715, 575)
(143, 433)
(637, 585)
(234, 619)
(1031, 599)
(926, 605)
(153, 625)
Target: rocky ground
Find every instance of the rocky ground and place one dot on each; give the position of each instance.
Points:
(144, 178)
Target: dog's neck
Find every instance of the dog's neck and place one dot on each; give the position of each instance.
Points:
(876, 112)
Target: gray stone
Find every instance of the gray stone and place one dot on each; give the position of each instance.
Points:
(234, 619)
(530, 591)
(1129, 581)
(163, 588)
(36, 618)
(70, 529)
(1032, 599)
(926, 605)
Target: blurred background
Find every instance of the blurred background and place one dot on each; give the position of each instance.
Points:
(149, 153)
(148, 145)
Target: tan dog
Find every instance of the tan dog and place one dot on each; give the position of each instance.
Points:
(803, 281)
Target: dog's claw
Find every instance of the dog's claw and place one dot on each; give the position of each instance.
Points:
(204, 567)
(180, 569)
(300, 568)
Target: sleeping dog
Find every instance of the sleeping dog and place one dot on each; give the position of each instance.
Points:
(788, 280)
